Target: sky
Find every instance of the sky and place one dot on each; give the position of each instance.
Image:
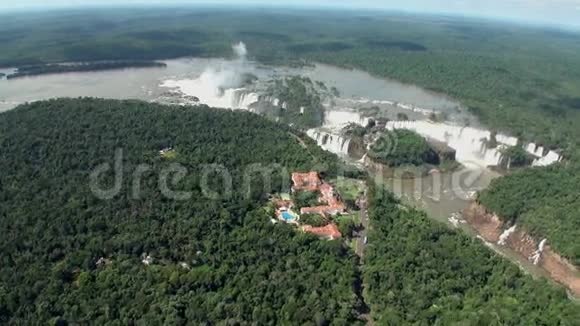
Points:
(552, 12)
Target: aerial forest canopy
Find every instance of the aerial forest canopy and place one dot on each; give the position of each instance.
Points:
(402, 147)
(543, 200)
(420, 272)
(302, 100)
(214, 257)
(45, 69)
(70, 257)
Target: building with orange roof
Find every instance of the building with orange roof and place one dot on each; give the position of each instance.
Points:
(330, 231)
(305, 181)
(311, 182)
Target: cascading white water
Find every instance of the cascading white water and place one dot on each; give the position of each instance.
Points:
(330, 142)
(220, 87)
(243, 99)
(269, 99)
(471, 143)
(537, 255)
(506, 235)
(404, 106)
(338, 119)
(363, 159)
(550, 158)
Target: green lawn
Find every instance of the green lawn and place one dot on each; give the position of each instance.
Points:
(349, 189)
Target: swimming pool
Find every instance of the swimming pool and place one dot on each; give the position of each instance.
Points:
(287, 216)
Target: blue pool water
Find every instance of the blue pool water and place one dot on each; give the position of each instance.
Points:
(287, 216)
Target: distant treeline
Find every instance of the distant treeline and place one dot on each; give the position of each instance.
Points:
(530, 90)
(45, 69)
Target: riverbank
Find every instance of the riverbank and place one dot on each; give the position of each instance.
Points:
(490, 227)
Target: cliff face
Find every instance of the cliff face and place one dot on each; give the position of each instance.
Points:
(378, 168)
(403, 172)
(493, 230)
(357, 148)
(489, 226)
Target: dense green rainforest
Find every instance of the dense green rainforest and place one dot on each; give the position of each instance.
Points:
(420, 272)
(521, 80)
(545, 201)
(69, 256)
(45, 69)
(240, 267)
(517, 79)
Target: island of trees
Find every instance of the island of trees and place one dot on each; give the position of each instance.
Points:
(403, 147)
(44, 69)
(300, 101)
(516, 157)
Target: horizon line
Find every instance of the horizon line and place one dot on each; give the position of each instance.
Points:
(228, 6)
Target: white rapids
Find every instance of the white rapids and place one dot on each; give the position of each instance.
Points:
(506, 235)
(331, 142)
(471, 143)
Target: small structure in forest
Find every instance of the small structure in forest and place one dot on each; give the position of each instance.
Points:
(168, 153)
(146, 259)
(311, 182)
(284, 210)
(329, 231)
(330, 205)
(305, 181)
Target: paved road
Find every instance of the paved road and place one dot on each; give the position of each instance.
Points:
(364, 219)
(360, 249)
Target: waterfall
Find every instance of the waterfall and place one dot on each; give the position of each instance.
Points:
(340, 118)
(505, 235)
(471, 143)
(241, 98)
(537, 255)
(362, 160)
(270, 99)
(550, 158)
(455, 219)
(330, 142)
